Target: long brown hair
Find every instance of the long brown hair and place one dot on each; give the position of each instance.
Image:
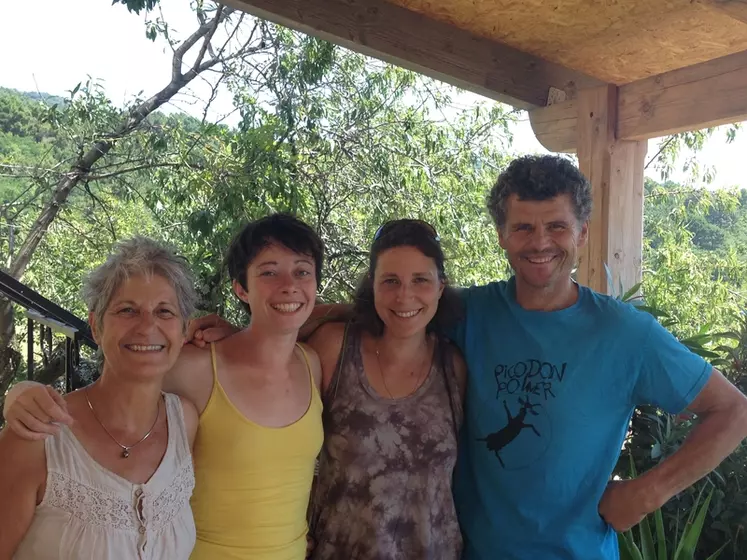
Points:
(423, 237)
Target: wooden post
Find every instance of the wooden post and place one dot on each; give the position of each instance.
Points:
(615, 170)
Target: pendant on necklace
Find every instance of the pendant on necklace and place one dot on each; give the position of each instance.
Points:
(125, 453)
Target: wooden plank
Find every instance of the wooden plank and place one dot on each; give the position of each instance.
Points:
(691, 98)
(437, 49)
(615, 41)
(707, 94)
(625, 218)
(596, 126)
(555, 125)
(736, 9)
(615, 171)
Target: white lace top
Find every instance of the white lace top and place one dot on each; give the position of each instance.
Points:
(90, 513)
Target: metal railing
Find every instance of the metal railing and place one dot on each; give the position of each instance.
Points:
(50, 318)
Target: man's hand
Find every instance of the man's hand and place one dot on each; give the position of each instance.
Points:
(33, 411)
(207, 329)
(623, 505)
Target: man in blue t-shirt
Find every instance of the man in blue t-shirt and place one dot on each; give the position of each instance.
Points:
(555, 373)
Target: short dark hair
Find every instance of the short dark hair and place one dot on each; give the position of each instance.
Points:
(283, 229)
(540, 177)
(405, 233)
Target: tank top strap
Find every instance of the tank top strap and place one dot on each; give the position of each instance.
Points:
(214, 363)
(177, 426)
(306, 359)
(348, 349)
(315, 394)
(63, 455)
(445, 356)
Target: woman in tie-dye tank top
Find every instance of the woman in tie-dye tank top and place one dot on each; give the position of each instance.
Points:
(392, 391)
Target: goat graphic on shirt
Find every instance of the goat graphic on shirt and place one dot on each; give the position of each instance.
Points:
(523, 388)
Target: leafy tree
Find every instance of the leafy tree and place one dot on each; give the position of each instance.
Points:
(106, 142)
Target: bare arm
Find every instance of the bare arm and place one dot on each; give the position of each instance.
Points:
(722, 414)
(23, 471)
(33, 410)
(327, 342)
(192, 376)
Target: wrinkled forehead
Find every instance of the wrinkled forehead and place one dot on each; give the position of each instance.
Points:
(146, 286)
(556, 209)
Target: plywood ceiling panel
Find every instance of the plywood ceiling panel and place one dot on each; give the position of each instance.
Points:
(617, 41)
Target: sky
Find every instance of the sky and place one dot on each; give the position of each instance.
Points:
(55, 45)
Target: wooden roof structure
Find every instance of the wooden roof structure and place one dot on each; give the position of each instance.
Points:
(598, 78)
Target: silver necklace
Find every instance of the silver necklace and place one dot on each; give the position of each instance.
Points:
(383, 378)
(125, 448)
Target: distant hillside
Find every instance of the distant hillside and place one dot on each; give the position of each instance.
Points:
(48, 98)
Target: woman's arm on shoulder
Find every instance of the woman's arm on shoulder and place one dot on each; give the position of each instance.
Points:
(23, 473)
(322, 314)
(33, 410)
(191, 420)
(327, 341)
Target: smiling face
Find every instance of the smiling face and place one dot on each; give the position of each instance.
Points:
(407, 288)
(142, 331)
(280, 288)
(542, 240)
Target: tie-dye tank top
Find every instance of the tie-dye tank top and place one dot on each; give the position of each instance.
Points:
(384, 485)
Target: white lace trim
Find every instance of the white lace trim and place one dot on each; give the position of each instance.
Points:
(107, 510)
(174, 498)
(91, 505)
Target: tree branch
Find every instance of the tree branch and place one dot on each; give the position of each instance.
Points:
(661, 149)
(136, 168)
(209, 37)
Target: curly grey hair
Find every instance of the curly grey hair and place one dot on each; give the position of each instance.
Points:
(540, 177)
(133, 257)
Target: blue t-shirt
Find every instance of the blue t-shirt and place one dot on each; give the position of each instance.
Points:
(549, 400)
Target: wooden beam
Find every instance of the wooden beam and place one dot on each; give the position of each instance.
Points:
(736, 9)
(691, 98)
(555, 126)
(615, 170)
(411, 40)
(699, 96)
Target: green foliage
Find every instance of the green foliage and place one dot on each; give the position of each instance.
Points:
(653, 545)
(695, 255)
(137, 5)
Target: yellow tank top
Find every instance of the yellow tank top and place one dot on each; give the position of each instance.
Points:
(252, 483)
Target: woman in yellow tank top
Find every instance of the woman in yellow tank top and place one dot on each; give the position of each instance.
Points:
(260, 428)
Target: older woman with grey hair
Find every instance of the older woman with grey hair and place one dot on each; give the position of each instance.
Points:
(115, 483)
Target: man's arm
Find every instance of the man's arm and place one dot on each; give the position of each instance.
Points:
(23, 471)
(722, 424)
